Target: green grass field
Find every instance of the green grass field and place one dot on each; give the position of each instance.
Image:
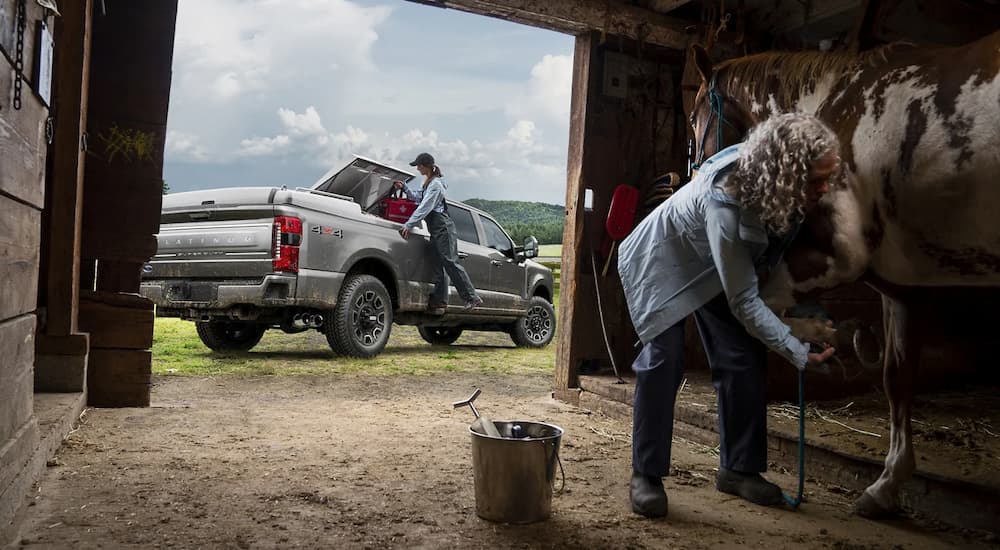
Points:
(550, 250)
(177, 350)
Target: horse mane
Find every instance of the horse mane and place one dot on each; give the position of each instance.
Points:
(794, 71)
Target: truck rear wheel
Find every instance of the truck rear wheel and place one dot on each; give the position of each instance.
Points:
(439, 336)
(362, 319)
(229, 335)
(537, 327)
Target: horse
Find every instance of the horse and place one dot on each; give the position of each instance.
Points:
(919, 129)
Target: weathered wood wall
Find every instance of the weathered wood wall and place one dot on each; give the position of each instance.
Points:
(627, 127)
(22, 172)
(127, 120)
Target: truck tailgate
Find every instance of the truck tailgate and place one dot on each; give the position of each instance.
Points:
(217, 249)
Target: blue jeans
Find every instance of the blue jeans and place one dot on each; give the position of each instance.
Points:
(739, 374)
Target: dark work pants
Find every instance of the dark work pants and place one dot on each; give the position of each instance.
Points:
(738, 363)
(445, 244)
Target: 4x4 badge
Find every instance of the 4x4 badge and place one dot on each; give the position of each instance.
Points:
(323, 230)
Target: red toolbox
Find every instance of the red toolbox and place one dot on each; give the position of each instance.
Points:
(397, 208)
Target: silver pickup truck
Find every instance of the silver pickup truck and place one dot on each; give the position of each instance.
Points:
(240, 261)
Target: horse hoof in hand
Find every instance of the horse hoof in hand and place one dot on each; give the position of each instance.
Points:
(868, 507)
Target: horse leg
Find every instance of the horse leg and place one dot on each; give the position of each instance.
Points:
(903, 329)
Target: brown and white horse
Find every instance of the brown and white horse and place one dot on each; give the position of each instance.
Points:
(920, 137)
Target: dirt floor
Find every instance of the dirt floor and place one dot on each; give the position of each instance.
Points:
(359, 461)
(956, 432)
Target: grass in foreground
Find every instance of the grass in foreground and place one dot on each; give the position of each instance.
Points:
(177, 350)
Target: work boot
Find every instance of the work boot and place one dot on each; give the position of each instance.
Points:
(750, 486)
(648, 496)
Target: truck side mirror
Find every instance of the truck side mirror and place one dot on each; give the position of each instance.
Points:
(530, 247)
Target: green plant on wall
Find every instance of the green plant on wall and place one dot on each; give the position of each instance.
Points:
(128, 143)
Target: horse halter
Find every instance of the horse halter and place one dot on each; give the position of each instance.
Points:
(715, 101)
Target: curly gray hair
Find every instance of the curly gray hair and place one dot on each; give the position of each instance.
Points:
(774, 167)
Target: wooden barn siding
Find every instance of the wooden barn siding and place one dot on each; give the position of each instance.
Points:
(607, 135)
(127, 120)
(22, 173)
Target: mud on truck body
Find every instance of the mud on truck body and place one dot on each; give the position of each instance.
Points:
(241, 261)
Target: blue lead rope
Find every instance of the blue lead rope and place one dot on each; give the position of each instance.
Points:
(794, 502)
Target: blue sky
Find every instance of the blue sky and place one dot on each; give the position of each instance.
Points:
(277, 92)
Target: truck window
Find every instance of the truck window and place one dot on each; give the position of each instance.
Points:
(464, 225)
(496, 238)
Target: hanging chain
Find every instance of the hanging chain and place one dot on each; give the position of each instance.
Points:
(19, 56)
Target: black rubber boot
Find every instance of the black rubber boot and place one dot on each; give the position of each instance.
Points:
(749, 486)
(648, 496)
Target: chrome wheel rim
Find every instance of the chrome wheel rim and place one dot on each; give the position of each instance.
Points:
(538, 324)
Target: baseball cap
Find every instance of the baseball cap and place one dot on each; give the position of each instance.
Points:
(423, 158)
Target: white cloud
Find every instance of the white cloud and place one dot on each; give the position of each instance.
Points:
(263, 146)
(227, 85)
(521, 133)
(506, 163)
(181, 146)
(307, 123)
(262, 82)
(351, 137)
(242, 46)
(548, 92)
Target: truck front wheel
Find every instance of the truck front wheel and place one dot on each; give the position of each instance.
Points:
(537, 327)
(362, 319)
(229, 335)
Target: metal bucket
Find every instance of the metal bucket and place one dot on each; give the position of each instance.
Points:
(514, 477)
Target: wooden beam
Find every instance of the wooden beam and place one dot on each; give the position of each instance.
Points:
(572, 252)
(119, 377)
(666, 6)
(580, 16)
(70, 79)
(116, 321)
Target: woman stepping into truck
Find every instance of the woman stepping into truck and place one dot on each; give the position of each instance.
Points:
(434, 210)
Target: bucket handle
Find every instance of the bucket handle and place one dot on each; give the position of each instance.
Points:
(562, 475)
(548, 464)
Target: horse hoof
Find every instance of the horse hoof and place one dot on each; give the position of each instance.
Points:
(868, 507)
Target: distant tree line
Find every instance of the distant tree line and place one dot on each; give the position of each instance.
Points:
(521, 218)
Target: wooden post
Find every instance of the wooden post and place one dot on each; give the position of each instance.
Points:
(61, 363)
(127, 123)
(72, 64)
(565, 371)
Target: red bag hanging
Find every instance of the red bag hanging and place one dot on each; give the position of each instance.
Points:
(621, 218)
(621, 214)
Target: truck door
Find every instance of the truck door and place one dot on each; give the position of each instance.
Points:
(507, 277)
(471, 255)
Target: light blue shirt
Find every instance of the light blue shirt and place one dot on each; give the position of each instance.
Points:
(431, 199)
(696, 244)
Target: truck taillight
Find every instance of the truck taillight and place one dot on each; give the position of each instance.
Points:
(285, 248)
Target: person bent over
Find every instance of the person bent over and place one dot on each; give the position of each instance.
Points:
(699, 252)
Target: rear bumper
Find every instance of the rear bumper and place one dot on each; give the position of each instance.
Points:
(272, 291)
